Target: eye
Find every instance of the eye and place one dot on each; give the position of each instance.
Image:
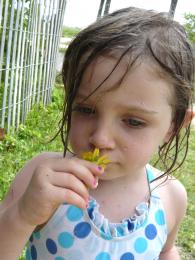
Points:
(84, 110)
(134, 123)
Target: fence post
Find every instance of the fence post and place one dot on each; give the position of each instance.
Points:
(29, 40)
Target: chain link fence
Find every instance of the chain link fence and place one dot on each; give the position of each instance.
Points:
(29, 40)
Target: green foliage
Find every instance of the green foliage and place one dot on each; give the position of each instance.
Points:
(59, 79)
(10, 6)
(190, 26)
(1, 94)
(62, 50)
(186, 236)
(69, 31)
(32, 138)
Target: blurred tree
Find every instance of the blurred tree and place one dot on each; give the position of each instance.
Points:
(172, 8)
(100, 11)
(190, 26)
(103, 8)
(107, 7)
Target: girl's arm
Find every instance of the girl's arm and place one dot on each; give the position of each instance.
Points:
(170, 251)
(171, 254)
(14, 231)
(176, 199)
(42, 185)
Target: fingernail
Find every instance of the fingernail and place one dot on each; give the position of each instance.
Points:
(95, 183)
(87, 203)
(100, 168)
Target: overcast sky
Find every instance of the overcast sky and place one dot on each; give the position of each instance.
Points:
(80, 13)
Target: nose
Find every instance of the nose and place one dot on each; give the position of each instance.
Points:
(102, 136)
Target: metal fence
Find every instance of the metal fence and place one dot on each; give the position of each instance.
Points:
(193, 48)
(29, 40)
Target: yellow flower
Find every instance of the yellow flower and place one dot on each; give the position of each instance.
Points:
(96, 158)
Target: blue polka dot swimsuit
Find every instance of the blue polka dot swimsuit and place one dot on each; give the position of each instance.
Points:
(76, 234)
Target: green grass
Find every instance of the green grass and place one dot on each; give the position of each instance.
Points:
(30, 139)
(34, 137)
(69, 31)
(186, 236)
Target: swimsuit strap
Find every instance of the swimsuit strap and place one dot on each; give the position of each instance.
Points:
(150, 177)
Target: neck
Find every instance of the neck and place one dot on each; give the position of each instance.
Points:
(129, 184)
(119, 197)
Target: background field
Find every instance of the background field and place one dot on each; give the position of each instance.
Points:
(34, 137)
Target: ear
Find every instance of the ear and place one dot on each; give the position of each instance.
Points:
(190, 114)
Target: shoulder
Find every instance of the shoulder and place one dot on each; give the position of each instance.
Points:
(23, 177)
(174, 198)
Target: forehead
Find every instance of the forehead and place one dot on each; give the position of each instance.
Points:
(103, 70)
(109, 73)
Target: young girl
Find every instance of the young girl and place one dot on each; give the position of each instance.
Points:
(128, 83)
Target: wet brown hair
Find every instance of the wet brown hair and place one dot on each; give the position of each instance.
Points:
(142, 34)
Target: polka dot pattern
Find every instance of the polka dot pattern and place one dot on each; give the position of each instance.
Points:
(150, 231)
(31, 238)
(37, 235)
(74, 213)
(51, 246)
(74, 234)
(65, 239)
(82, 230)
(103, 256)
(59, 258)
(28, 254)
(127, 256)
(160, 217)
(33, 253)
(140, 245)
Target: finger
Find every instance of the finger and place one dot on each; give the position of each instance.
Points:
(74, 161)
(85, 171)
(69, 181)
(62, 195)
(94, 168)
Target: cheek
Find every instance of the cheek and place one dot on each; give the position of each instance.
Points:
(77, 135)
(142, 146)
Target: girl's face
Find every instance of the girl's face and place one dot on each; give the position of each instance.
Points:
(127, 117)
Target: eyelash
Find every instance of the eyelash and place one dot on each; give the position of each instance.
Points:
(130, 122)
(134, 123)
(84, 110)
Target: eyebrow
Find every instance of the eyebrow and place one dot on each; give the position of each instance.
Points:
(142, 110)
(133, 108)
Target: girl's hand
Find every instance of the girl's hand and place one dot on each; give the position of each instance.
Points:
(54, 182)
